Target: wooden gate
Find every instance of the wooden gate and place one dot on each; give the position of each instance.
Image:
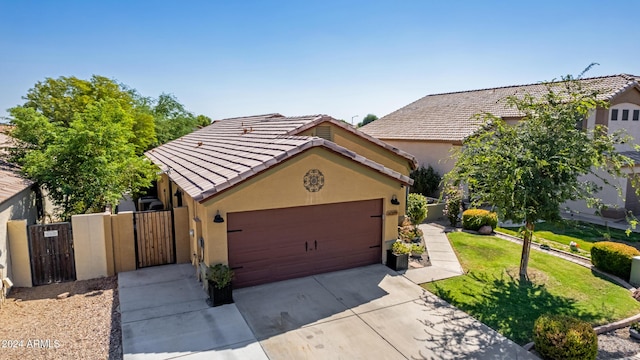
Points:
(51, 250)
(155, 243)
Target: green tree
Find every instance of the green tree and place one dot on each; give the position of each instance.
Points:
(367, 119)
(203, 121)
(172, 120)
(58, 100)
(527, 170)
(425, 181)
(82, 141)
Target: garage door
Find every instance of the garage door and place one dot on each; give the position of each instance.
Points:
(279, 244)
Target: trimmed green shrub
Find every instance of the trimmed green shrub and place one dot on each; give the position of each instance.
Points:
(474, 219)
(417, 208)
(564, 337)
(425, 181)
(614, 258)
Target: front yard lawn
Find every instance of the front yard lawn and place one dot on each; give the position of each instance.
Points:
(565, 231)
(492, 292)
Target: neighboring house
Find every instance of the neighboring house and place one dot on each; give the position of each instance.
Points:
(279, 197)
(431, 127)
(18, 201)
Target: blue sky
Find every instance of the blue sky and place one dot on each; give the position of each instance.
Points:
(342, 58)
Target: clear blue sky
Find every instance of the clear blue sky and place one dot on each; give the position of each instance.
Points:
(342, 58)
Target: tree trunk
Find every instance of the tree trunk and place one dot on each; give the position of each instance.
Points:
(526, 249)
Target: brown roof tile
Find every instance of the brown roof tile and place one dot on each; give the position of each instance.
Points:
(450, 116)
(229, 151)
(11, 181)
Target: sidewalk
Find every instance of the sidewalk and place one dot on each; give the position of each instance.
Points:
(444, 262)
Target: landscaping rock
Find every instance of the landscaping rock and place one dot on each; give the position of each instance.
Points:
(64, 295)
(485, 230)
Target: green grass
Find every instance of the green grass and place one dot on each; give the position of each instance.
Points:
(492, 292)
(561, 233)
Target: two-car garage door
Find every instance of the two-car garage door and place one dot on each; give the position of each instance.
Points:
(279, 244)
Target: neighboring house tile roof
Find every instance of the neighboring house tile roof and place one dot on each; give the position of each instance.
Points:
(229, 151)
(633, 155)
(11, 182)
(450, 117)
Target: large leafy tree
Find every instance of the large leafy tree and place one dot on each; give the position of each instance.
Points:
(82, 140)
(529, 169)
(172, 120)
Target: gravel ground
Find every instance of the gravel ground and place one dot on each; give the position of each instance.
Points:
(616, 345)
(35, 324)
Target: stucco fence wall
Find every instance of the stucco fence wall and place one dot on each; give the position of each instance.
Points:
(104, 245)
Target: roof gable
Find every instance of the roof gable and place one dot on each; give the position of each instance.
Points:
(450, 116)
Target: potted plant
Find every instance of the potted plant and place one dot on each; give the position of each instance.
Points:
(634, 331)
(219, 278)
(398, 256)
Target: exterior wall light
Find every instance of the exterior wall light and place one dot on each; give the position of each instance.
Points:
(394, 200)
(218, 218)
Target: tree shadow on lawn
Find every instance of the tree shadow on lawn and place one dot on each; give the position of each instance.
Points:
(511, 306)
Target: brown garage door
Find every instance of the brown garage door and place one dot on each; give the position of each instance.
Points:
(279, 244)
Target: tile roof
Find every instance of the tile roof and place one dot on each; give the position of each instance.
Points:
(450, 116)
(11, 182)
(227, 152)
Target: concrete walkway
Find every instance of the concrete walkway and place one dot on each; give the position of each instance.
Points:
(444, 262)
(370, 312)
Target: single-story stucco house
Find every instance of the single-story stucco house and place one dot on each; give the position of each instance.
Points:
(429, 128)
(19, 200)
(278, 197)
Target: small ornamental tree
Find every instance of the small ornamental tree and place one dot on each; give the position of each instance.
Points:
(417, 208)
(528, 169)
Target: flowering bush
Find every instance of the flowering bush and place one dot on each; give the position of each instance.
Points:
(452, 205)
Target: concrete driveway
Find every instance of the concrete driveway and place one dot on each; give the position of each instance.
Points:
(363, 313)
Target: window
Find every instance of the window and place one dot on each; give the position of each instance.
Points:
(625, 115)
(614, 114)
(636, 115)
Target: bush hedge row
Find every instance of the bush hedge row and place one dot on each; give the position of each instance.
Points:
(614, 258)
(564, 337)
(474, 219)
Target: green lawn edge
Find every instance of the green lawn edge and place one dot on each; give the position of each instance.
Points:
(491, 291)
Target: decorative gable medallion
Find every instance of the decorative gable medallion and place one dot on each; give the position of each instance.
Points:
(313, 180)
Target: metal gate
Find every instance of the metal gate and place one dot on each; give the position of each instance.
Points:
(154, 238)
(51, 250)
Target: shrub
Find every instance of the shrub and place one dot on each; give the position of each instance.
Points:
(417, 208)
(564, 337)
(408, 232)
(425, 181)
(614, 258)
(220, 274)
(452, 205)
(400, 248)
(474, 219)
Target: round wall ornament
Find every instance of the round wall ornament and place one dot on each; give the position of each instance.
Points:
(313, 180)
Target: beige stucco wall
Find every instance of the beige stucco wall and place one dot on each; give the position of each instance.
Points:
(282, 187)
(181, 230)
(89, 242)
(609, 194)
(124, 250)
(20, 259)
(19, 206)
(436, 154)
(365, 148)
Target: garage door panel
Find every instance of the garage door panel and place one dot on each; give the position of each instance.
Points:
(279, 244)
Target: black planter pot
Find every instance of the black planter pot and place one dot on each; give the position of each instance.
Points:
(634, 333)
(219, 297)
(397, 262)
